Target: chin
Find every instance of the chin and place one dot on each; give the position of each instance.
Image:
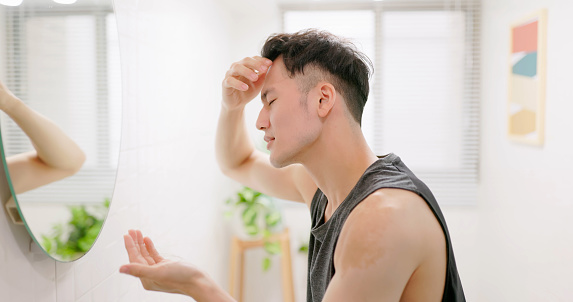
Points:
(278, 162)
(275, 163)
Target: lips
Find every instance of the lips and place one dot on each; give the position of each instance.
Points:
(269, 141)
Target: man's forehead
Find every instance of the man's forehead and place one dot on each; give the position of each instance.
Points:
(275, 74)
(278, 68)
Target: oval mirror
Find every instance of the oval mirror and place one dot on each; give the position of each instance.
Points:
(62, 60)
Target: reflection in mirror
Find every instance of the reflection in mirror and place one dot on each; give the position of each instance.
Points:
(63, 62)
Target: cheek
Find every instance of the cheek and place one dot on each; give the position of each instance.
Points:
(291, 124)
(303, 129)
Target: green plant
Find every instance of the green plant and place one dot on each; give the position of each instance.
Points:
(72, 239)
(303, 248)
(255, 207)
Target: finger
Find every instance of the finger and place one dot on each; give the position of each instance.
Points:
(241, 70)
(143, 249)
(138, 270)
(132, 250)
(259, 63)
(250, 68)
(256, 63)
(133, 235)
(152, 251)
(261, 79)
(234, 83)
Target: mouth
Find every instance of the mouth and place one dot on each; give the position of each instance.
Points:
(269, 141)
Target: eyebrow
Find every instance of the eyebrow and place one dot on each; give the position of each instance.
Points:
(265, 93)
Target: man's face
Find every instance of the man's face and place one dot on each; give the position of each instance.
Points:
(288, 121)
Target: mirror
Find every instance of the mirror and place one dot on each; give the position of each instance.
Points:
(62, 60)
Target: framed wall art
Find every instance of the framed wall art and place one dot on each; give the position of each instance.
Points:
(527, 77)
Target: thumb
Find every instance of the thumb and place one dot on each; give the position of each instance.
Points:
(261, 79)
(137, 270)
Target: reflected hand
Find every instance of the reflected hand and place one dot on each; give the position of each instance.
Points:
(244, 80)
(157, 273)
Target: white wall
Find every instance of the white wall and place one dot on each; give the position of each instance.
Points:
(526, 231)
(174, 56)
(514, 245)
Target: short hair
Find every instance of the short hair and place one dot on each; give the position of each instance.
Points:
(337, 59)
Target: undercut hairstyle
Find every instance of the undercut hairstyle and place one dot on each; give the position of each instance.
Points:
(312, 55)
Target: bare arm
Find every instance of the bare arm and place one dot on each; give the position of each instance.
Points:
(159, 274)
(235, 153)
(375, 256)
(56, 156)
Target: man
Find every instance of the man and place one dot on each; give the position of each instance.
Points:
(378, 233)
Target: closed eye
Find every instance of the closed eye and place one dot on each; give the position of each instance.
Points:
(272, 101)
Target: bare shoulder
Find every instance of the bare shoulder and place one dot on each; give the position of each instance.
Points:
(392, 237)
(396, 212)
(387, 218)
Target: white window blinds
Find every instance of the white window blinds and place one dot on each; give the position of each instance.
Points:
(424, 100)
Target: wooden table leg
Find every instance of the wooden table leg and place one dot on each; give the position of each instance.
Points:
(241, 273)
(286, 268)
(237, 263)
(233, 268)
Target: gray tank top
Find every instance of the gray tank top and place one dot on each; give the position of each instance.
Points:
(387, 172)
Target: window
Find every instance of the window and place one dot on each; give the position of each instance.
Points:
(424, 96)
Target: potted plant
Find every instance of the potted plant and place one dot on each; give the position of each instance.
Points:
(256, 216)
(71, 240)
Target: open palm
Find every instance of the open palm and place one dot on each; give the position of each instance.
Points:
(155, 272)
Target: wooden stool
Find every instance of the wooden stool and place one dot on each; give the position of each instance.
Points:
(238, 248)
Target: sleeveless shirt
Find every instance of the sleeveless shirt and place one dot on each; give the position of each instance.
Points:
(387, 172)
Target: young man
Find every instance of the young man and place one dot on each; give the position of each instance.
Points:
(377, 231)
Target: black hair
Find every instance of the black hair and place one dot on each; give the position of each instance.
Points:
(340, 63)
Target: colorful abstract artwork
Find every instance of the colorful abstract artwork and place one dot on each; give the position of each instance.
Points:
(527, 79)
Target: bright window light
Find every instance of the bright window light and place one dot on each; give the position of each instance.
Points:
(11, 2)
(65, 1)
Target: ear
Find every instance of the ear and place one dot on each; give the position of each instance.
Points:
(327, 95)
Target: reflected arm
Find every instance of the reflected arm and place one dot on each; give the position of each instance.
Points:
(56, 156)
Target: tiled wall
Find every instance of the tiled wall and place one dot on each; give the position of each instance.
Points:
(168, 183)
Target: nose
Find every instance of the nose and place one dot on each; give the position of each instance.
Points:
(263, 119)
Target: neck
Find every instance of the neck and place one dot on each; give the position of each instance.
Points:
(337, 161)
